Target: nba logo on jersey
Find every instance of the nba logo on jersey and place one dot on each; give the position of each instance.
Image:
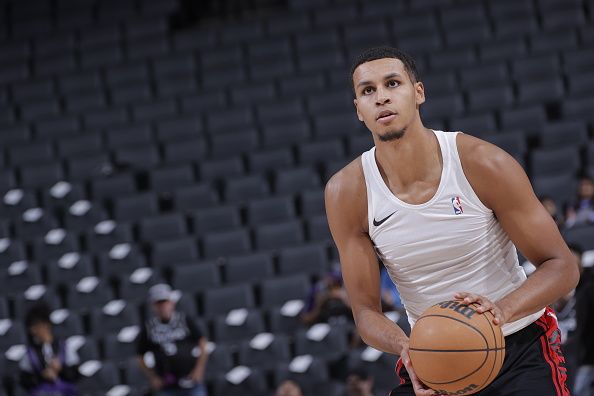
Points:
(457, 204)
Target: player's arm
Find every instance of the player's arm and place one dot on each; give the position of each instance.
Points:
(346, 209)
(502, 185)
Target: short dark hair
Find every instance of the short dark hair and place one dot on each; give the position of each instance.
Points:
(374, 53)
(39, 313)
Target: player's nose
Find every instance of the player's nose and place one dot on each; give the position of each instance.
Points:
(382, 97)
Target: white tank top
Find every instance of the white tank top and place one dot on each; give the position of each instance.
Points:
(448, 244)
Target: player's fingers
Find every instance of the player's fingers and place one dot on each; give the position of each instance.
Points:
(485, 305)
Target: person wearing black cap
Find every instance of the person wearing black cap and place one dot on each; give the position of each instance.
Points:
(172, 339)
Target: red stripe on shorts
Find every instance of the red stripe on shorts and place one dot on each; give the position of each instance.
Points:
(398, 367)
(553, 357)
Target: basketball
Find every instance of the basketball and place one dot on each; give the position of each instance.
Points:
(455, 350)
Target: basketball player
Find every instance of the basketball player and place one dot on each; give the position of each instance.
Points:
(443, 211)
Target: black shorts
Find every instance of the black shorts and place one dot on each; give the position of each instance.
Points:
(533, 364)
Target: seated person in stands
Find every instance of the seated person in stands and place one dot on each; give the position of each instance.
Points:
(551, 207)
(171, 337)
(329, 302)
(390, 296)
(50, 366)
(359, 383)
(288, 388)
(582, 211)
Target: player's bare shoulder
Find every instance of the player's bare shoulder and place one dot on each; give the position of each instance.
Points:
(346, 193)
(486, 165)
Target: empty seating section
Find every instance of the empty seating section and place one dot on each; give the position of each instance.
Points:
(136, 150)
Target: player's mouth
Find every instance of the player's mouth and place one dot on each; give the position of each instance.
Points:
(385, 116)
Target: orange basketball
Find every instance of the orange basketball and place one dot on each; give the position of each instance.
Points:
(455, 350)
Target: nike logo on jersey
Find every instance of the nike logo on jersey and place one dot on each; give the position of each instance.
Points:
(382, 221)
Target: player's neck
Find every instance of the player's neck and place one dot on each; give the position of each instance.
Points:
(414, 157)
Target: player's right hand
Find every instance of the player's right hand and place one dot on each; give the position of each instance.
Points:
(420, 388)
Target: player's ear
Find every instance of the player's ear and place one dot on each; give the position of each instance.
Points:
(419, 93)
(359, 116)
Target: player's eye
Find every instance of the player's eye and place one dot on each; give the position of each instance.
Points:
(367, 90)
(393, 83)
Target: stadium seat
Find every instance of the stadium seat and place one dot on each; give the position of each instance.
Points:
(244, 189)
(185, 150)
(564, 133)
(129, 136)
(88, 293)
(106, 234)
(490, 98)
(13, 334)
(220, 301)
(163, 227)
(282, 134)
(221, 218)
(248, 268)
(279, 235)
(270, 210)
(101, 380)
(554, 161)
(275, 292)
(268, 160)
(66, 324)
(312, 153)
(54, 244)
(69, 269)
(306, 259)
(226, 243)
(172, 252)
(580, 236)
(83, 214)
(219, 169)
(277, 352)
(314, 379)
(235, 333)
(254, 384)
(220, 360)
(295, 180)
(194, 197)
(122, 258)
(192, 277)
(112, 317)
(114, 186)
(117, 350)
(18, 276)
(558, 187)
(85, 167)
(136, 207)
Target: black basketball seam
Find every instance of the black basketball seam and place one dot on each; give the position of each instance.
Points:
(472, 327)
(496, 352)
(455, 350)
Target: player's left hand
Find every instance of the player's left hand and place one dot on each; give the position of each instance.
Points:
(484, 305)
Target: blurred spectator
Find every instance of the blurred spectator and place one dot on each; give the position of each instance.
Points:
(551, 207)
(582, 212)
(288, 388)
(50, 366)
(390, 296)
(328, 302)
(172, 337)
(574, 313)
(584, 310)
(359, 383)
